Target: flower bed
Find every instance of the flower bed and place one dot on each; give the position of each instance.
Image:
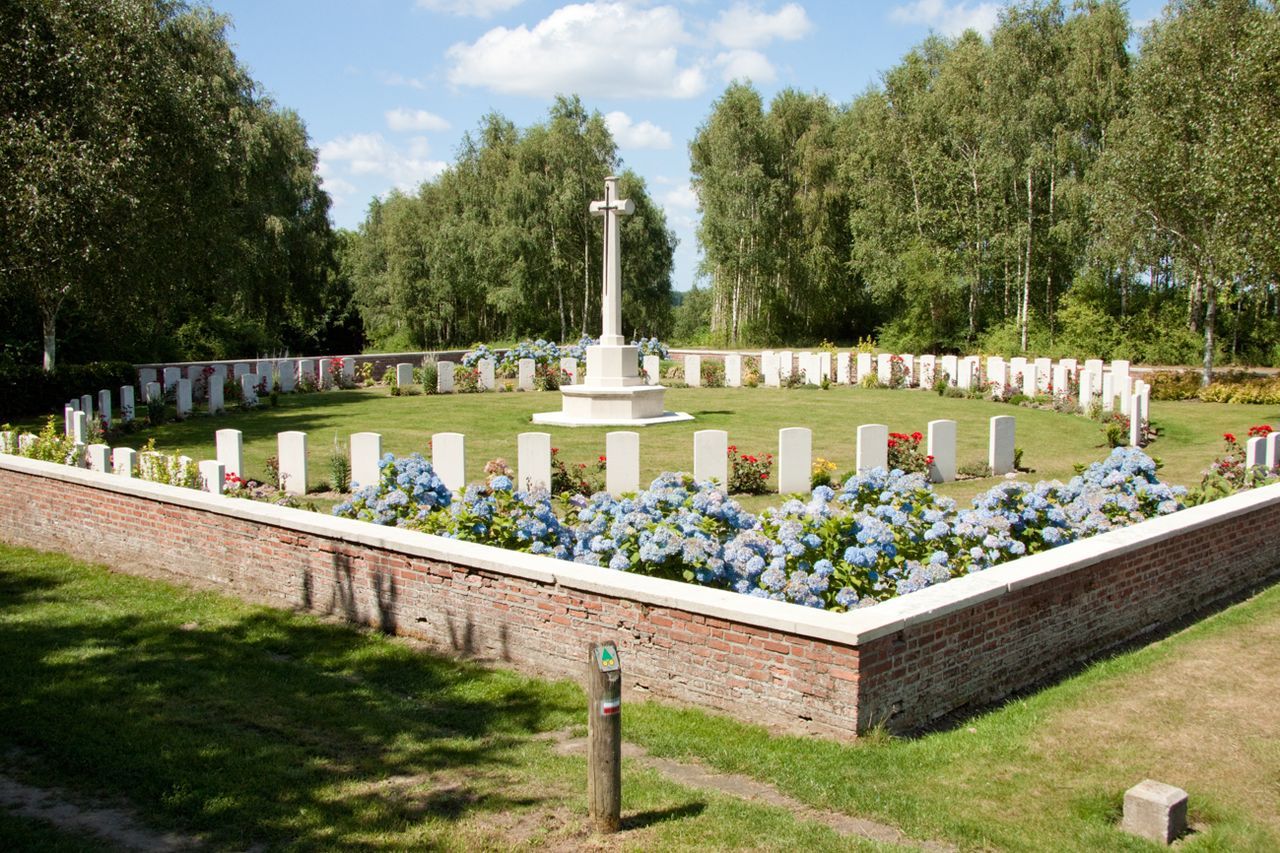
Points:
(882, 534)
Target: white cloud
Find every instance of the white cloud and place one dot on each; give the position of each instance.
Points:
(394, 78)
(681, 197)
(598, 49)
(745, 26)
(469, 8)
(368, 154)
(630, 134)
(745, 65)
(404, 119)
(948, 18)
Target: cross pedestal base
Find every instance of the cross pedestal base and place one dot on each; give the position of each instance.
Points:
(614, 394)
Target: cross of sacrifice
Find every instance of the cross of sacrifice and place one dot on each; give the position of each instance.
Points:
(611, 301)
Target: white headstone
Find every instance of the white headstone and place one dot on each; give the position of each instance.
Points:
(325, 372)
(652, 369)
(1094, 364)
(1070, 364)
(908, 369)
(171, 377)
(769, 370)
(965, 377)
(1120, 367)
(1108, 393)
(249, 388)
(69, 419)
(444, 377)
(153, 392)
(240, 369)
(884, 368)
(215, 396)
(533, 460)
(842, 368)
(306, 370)
(1124, 388)
(1255, 452)
(126, 403)
(449, 459)
(1044, 374)
(288, 372)
(785, 365)
(795, 460)
(1272, 456)
(942, 447)
(79, 427)
(212, 476)
(230, 450)
(622, 462)
(104, 406)
(570, 366)
(349, 368)
(811, 368)
(366, 453)
(524, 373)
(733, 370)
(404, 374)
(146, 375)
(1087, 390)
(485, 366)
(1017, 373)
(824, 365)
(711, 456)
(1061, 383)
(291, 455)
(864, 364)
(124, 461)
(1030, 382)
(195, 372)
(693, 370)
(950, 366)
(927, 367)
(97, 457)
(86, 405)
(997, 374)
(182, 397)
(873, 447)
(220, 371)
(1002, 444)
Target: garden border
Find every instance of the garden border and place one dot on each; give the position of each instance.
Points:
(903, 663)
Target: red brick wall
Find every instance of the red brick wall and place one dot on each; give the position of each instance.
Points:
(904, 677)
(790, 682)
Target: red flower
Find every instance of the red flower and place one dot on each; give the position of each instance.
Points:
(1231, 439)
(928, 460)
(601, 458)
(915, 436)
(1260, 431)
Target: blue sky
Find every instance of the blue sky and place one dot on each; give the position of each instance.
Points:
(388, 87)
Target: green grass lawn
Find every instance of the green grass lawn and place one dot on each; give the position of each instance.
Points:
(1052, 443)
(253, 726)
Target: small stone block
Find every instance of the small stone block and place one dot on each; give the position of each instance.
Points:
(525, 368)
(124, 461)
(733, 371)
(693, 370)
(230, 450)
(863, 364)
(212, 475)
(652, 369)
(533, 460)
(622, 462)
(486, 368)
(570, 366)
(366, 453)
(404, 374)
(449, 459)
(942, 447)
(291, 450)
(444, 377)
(795, 460)
(711, 456)
(873, 448)
(1155, 811)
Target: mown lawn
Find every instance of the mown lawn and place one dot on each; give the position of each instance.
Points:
(253, 726)
(1052, 443)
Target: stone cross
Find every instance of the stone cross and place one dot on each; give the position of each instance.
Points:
(611, 301)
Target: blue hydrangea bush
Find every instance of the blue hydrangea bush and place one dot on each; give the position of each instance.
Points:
(882, 534)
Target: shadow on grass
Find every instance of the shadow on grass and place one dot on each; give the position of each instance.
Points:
(253, 725)
(640, 820)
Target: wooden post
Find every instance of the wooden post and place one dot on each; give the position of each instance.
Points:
(604, 736)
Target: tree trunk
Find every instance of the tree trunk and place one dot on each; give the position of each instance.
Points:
(1210, 318)
(49, 321)
(1025, 315)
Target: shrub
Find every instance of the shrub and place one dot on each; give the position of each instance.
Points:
(466, 380)
(51, 444)
(749, 473)
(339, 467)
(823, 473)
(428, 376)
(27, 390)
(578, 478)
(905, 453)
(407, 490)
(549, 377)
(1227, 473)
(712, 373)
(171, 468)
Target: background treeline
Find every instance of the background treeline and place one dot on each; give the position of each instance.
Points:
(153, 203)
(1041, 190)
(502, 245)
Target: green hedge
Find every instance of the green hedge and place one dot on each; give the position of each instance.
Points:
(26, 390)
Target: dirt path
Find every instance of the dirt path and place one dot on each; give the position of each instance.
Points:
(696, 775)
(110, 824)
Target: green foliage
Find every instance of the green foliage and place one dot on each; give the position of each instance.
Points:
(51, 444)
(749, 472)
(339, 467)
(28, 390)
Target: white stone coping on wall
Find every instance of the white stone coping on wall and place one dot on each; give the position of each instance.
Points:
(854, 628)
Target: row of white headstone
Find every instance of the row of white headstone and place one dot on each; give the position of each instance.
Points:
(287, 371)
(526, 369)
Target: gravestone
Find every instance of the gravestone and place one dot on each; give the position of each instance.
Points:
(964, 380)
(240, 369)
(404, 374)
(171, 377)
(97, 457)
(524, 373)
(622, 462)
(153, 392)
(942, 447)
(997, 374)
(711, 456)
(1272, 456)
(873, 448)
(86, 406)
(366, 454)
(1044, 375)
(1255, 452)
(1124, 389)
(220, 371)
(733, 370)
(1017, 370)
(124, 461)
(146, 375)
(693, 370)
(126, 403)
(229, 444)
(1072, 366)
(784, 364)
(908, 369)
(1120, 367)
(570, 366)
(1001, 444)
(287, 369)
(824, 365)
(769, 371)
(1096, 365)
(325, 372)
(306, 370)
(449, 459)
(182, 398)
(1061, 384)
(444, 377)
(842, 368)
(249, 389)
(950, 367)
(795, 460)
(212, 476)
(195, 372)
(486, 368)
(291, 450)
(349, 369)
(1030, 383)
(104, 406)
(1087, 387)
(884, 368)
(864, 365)
(1155, 811)
(79, 427)
(1108, 392)
(69, 419)
(927, 368)
(652, 369)
(215, 397)
(533, 460)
